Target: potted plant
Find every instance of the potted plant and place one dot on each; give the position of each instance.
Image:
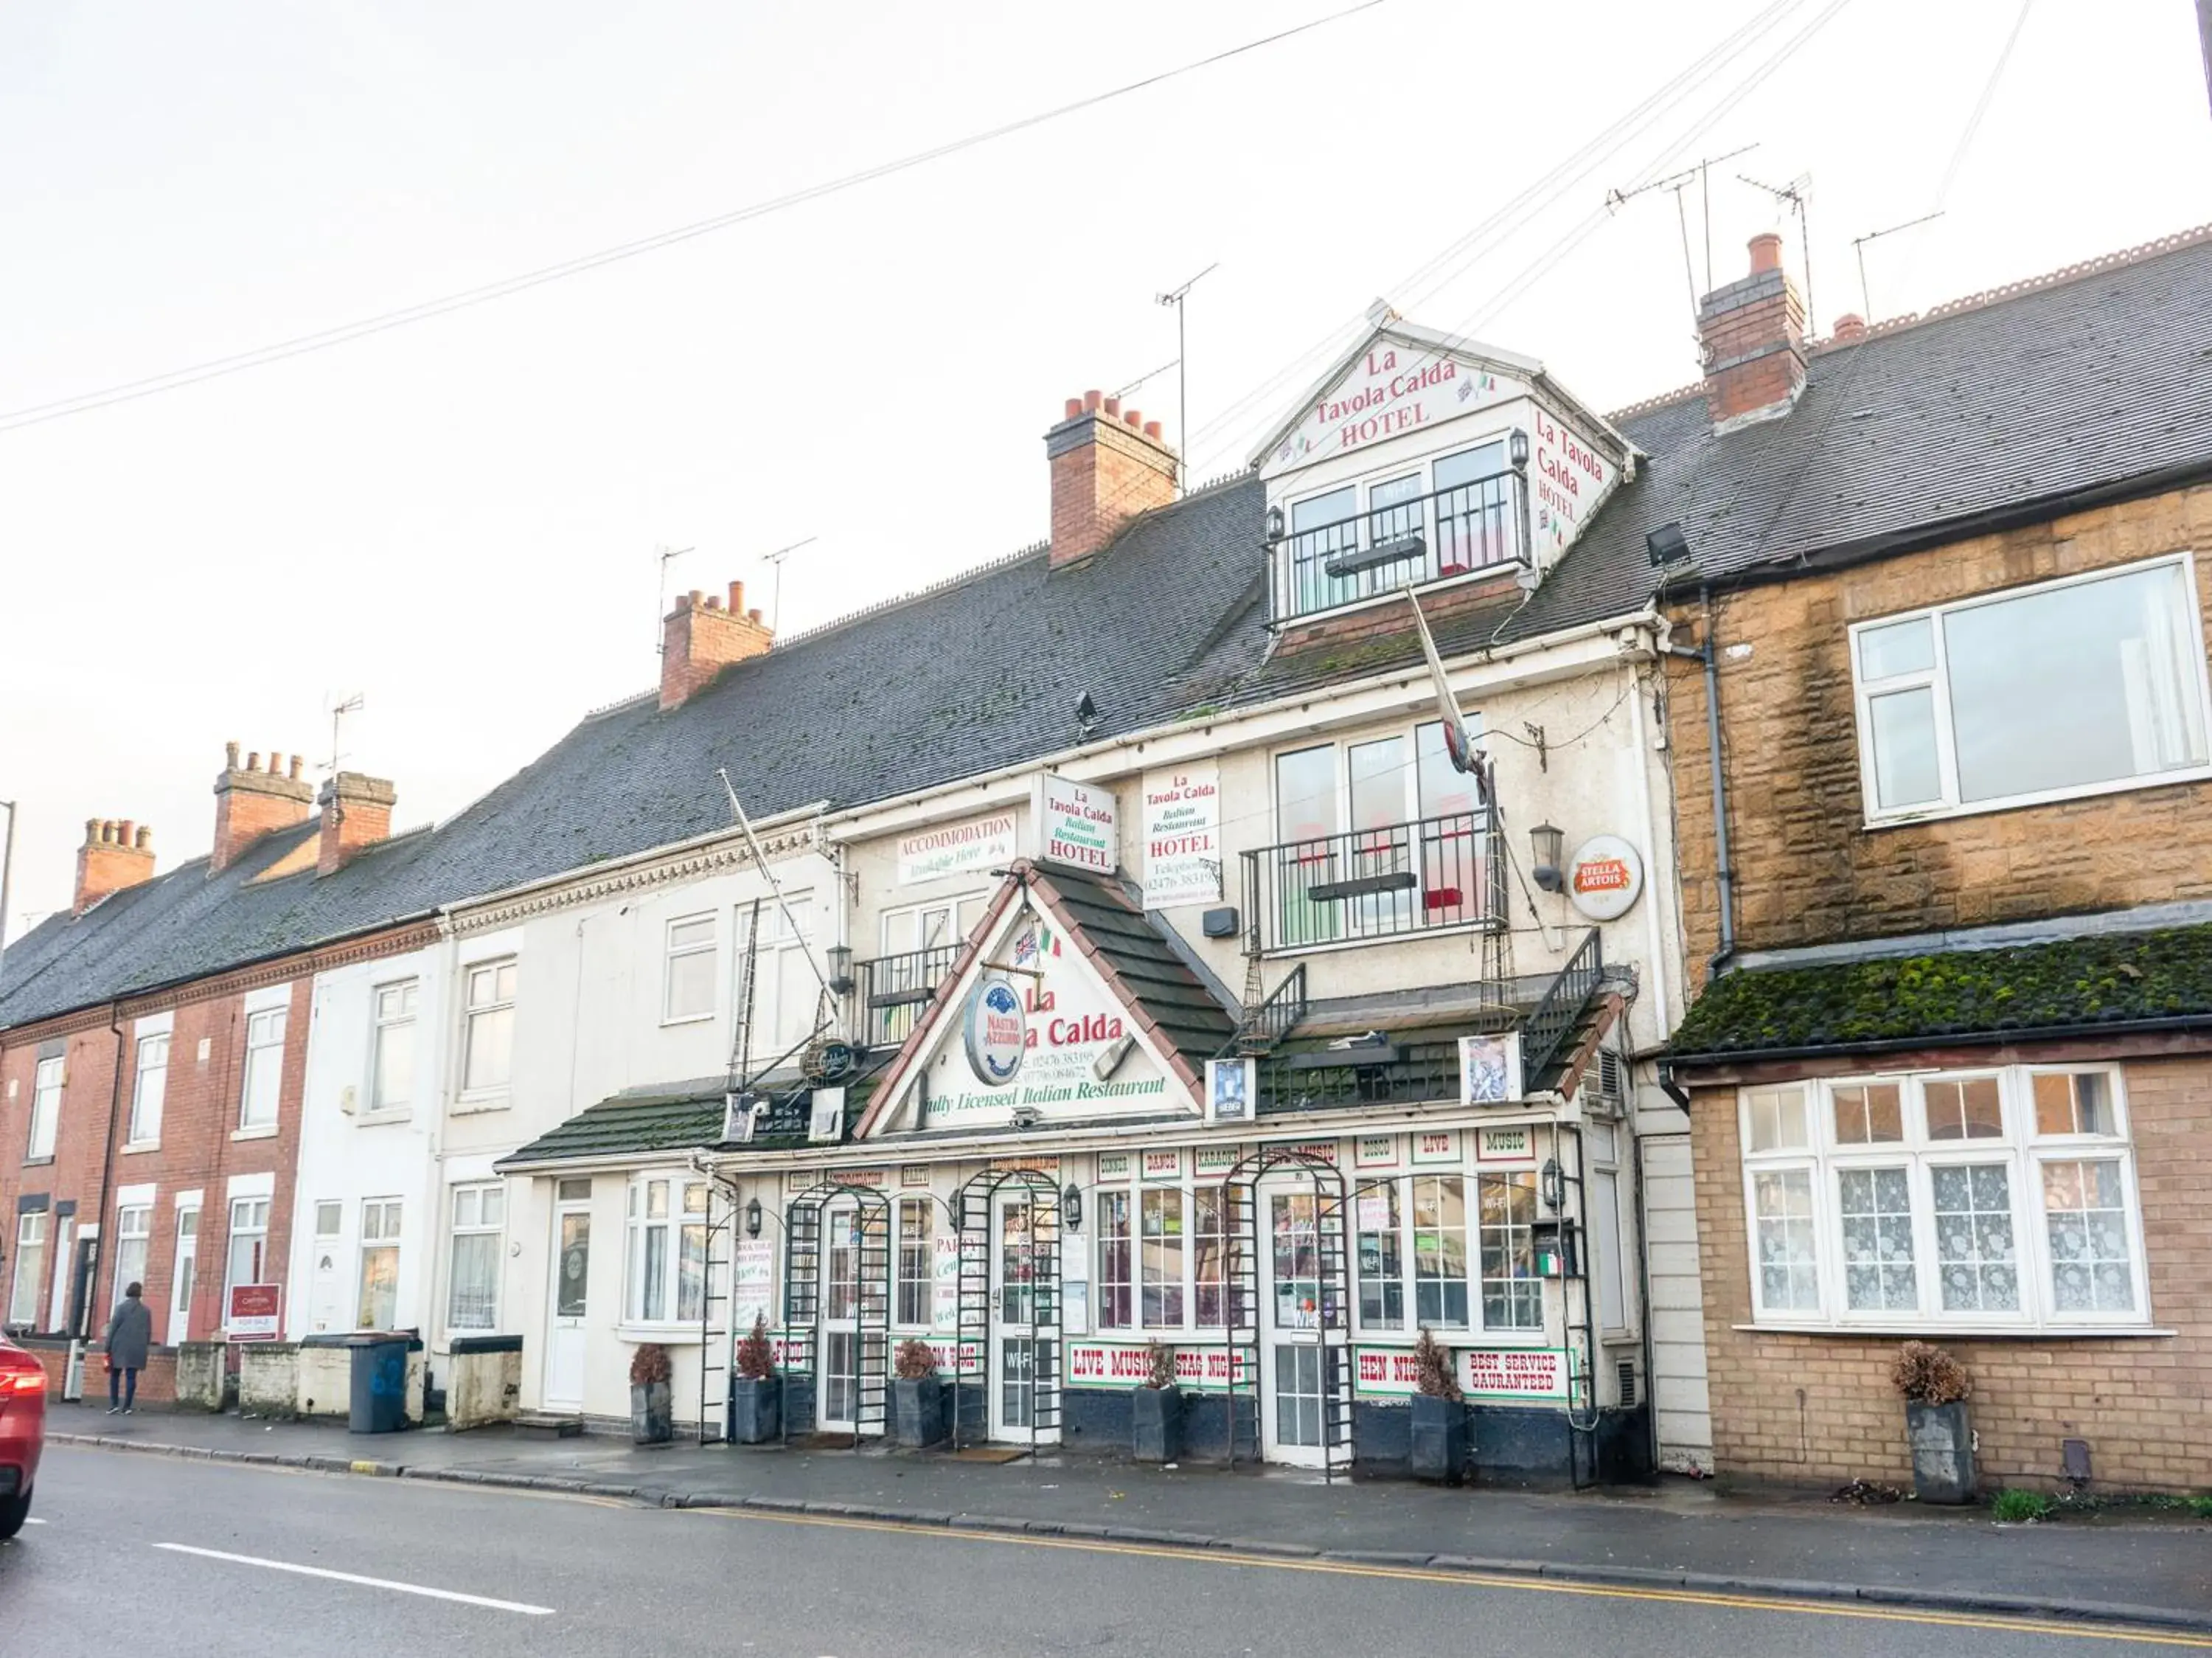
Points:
(649, 1423)
(755, 1396)
(917, 1396)
(1439, 1426)
(1935, 1387)
(1155, 1410)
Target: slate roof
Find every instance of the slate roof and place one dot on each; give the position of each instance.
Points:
(685, 1115)
(2107, 981)
(1183, 1015)
(2101, 376)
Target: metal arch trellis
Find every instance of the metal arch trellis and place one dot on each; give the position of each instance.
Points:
(1038, 1266)
(802, 1298)
(1332, 1311)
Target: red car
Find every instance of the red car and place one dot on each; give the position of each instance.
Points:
(22, 1432)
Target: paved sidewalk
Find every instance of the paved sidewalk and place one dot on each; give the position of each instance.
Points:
(1679, 1534)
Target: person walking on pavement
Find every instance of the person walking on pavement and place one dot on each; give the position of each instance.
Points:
(129, 1331)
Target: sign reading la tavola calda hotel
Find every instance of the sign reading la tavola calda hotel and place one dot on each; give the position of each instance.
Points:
(1040, 1055)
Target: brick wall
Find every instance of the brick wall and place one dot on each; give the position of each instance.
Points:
(1819, 1409)
(157, 1382)
(1806, 868)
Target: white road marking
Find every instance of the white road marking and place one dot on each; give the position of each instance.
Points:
(34, 1521)
(367, 1583)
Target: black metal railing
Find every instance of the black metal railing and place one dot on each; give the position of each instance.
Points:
(1263, 1027)
(893, 990)
(1452, 532)
(1560, 1009)
(1422, 876)
(1385, 1073)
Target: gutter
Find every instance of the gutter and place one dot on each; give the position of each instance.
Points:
(2165, 1024)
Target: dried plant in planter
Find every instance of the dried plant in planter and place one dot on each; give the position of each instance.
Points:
(1432, 1370)
(755, 1359)
(648, 1364)
(915, 1360)
(1159, 1365)
(1927, 1374)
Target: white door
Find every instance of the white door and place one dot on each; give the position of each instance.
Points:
(180, 1279)
(1019, 1350)
(1291, 1363)
(837, 1335)
(567, 1335)
(64, 1272)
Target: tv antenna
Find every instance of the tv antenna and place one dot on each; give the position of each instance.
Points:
(1797, 196)
(666, 556)
(1176, 296)
(776, 593)
(340, 707)
(1858, 246)
(1699, 173)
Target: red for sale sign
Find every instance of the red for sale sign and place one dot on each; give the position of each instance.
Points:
(254, 1313)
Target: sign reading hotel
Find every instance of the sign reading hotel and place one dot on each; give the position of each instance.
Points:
(1076, 826)
(1566, 481)
(1182, 836)
(1395, 388)
(952, 849)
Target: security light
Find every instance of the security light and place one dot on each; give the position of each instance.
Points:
(1666, 544)
(1549, 845)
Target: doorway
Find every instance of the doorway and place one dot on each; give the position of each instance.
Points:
(1023, 1350)
(1290, 1301)
(838, 1358)
(1290, 1313)
(187, 1269)
(567, 1336)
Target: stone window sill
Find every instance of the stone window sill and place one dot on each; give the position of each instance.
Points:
(269, 1133)
(1968, 1332)
(138, 1146)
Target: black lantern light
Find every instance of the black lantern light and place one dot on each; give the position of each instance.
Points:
(753, 1218)
(1549, 844)
(841, 969)
(1517, 449)
(1071, 1207)
(1275, 526)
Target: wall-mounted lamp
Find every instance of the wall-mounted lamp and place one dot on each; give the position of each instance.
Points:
(1517, 449)
(1071, 1207)
(1552, 1185)
(841, 969)
(1276, 527)
(1549, 844)
(753, 1218)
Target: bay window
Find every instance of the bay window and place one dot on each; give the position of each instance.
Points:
(666, 1254)
(1512, 1294)
(2073, 687)
(2002, 1198)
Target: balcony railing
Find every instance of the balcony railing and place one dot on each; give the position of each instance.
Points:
(1554, 1019)
(1424, 876)
(1454, 531)
(893, 990)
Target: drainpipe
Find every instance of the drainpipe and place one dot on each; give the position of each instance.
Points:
(1725, 870)
(73, 1377)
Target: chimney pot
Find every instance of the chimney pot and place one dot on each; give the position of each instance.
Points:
(1074, 407)
(753, 616)
(275, 764)
(713, 601)
(230, 752)
(700, 639)
(1134, 418)
(1113, 407)
(1765, 252)
(1152, 431)
(254, 760)
(107, 832)
(736, 597)
(294, 773)
(1850, 326)
(1091, 400)
(694, 598)
(124, 831)
(92, 832)
(145, 841)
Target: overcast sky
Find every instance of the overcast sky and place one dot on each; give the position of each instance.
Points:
(459, 518)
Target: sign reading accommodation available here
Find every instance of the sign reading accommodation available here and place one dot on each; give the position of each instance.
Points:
(951, 849)
(1182, 836)
(254, 1313)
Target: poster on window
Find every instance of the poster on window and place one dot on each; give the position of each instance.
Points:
(1182, 836)
(945, 1286)
(751, 1283)
(1230, 1084)
(1490, 1069)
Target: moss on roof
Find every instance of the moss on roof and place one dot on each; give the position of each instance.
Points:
(2107, 978)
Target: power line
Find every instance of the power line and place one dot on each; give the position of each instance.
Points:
(343, 333)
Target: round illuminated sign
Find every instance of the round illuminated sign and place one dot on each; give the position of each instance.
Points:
(997, 1032)
(1605, 878)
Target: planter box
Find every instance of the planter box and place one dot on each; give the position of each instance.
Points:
(1439, 1439)
(918, 1414)
(650, 1422)
(756, 1410)
(1942, 1451)
(1156, 1424)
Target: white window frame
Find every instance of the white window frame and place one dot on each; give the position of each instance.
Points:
(408, 1018)
(471, 1011)
(476, 1227)
(671, 952)
(266, 1029)
(151, 1060)
(35, 1236)
(1936, 679)
(923, 1284)
(125, 1237)
(644, 1234)
(1131, 1188)
(771, 1017)
(48, 1080)
(2021, 1149)
(1408, 1275)
(383, 1229)
(233, 1232)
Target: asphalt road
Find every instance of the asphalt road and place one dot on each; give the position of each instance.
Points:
(140, 1551)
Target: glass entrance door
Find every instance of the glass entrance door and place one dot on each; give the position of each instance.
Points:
(1292, 1363)
(837, 1361)
(1019, 1350)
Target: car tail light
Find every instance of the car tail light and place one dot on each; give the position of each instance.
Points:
(20, 1373)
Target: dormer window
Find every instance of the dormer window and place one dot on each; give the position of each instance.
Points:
(1455, 514)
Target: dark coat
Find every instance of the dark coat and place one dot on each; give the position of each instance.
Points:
(129, 1331)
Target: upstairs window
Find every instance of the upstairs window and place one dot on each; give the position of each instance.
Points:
(2075, 688)
(688, 987)
(1449, 516)
(786, 992)
(264, 1068)
(488, 1038)
(391, 1057)
(46, 1107)
(146, 1092)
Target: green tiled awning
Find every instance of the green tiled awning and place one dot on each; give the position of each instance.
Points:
(2100, 981)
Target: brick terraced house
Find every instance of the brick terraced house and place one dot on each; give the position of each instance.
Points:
(1942, 588)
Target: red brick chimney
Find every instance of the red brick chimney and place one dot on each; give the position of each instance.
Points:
(117, 853)
(249, 802)
(699, 639)
(357, 813)
(1107, 467)
(1754, 335)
